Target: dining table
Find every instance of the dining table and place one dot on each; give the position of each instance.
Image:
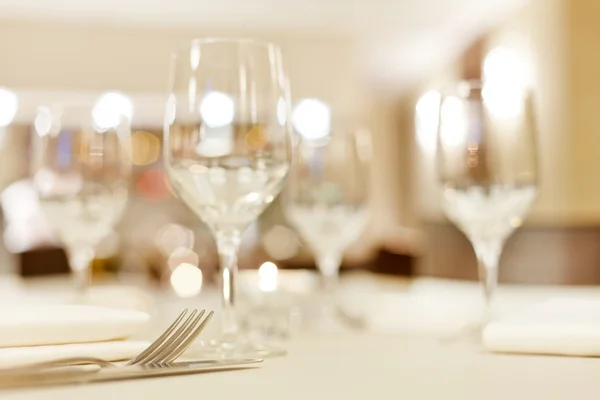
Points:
(402, 353)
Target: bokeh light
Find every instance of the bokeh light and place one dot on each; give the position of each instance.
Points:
(505, 76)
(43, 121)
(145, 148)
(267, 277)
(216, 142)
(183, 255)
(312, 119)
(504, 101)
(172, 237)
(9, 104)
(427, 118)
(453, 127)
(217, 109)
(503, 65)
(152, 186)
(110, 110)
(186, 280)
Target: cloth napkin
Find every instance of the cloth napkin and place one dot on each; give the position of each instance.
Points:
(110, 351)
(64, 324)
(558, 326)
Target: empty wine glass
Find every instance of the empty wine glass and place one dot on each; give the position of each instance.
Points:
(228, 152)
(81, 172)
(326, 200)
(487, 165)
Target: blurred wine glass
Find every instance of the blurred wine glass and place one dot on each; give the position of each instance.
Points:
(228, 152)
(326, 200)
(487, 166)
(80, 170)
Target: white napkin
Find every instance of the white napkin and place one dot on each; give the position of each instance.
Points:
(560, 326)
(61, 324)
(109, 351)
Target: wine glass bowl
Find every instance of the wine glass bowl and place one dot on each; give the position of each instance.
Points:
(81, 174)
(228, 150)
(487, 166)
(327, 202)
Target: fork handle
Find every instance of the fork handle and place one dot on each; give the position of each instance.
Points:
(62, 362)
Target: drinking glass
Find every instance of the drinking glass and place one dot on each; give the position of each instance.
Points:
(487, 166)
(81, 173)
(228, 152)
(326, 198)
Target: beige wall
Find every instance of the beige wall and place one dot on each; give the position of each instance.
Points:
(50, 56)
(584, 135)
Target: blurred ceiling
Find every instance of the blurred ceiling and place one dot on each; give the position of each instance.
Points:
(401, 39)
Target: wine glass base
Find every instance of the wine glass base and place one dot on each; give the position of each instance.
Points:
(226, 348)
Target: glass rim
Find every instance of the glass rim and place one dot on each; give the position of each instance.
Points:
(227, 41)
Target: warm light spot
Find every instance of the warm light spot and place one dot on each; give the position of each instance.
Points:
(503, 65)
(145, 148)
(183, 255)
(504, 101)
(19, 202)
(111, 110)
(217, 109)
(505, 77)
(267, 277)
(312, 119)
(453, 124)
(9, 104)
(43, 121)
(151, 185)
(427, 118)
(216, 142)
(172, 237)
(256, 138)
(186, 280)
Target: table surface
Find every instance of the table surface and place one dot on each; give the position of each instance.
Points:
(359, 366)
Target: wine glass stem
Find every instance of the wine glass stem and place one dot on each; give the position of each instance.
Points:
(329, 266)
(488, 256)
(228, 244)
(80, 259)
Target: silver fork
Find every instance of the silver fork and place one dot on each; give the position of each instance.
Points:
(165, 349)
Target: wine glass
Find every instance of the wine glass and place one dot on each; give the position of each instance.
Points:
(81, 172)
(487, 166)
(327, 202)
(228, 152)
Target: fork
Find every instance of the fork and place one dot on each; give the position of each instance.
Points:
(175, 340)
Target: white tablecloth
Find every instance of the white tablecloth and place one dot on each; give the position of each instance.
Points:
(367, 366)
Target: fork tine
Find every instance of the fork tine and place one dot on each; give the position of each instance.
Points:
(157, 342)
(169, 348)
(165, 337)
(160, 350)
(188, 342)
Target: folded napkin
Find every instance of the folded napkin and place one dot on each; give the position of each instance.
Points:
(559, 326)
(111, 351)
(61, 324)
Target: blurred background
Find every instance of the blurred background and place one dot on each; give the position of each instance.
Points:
(380, 62)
